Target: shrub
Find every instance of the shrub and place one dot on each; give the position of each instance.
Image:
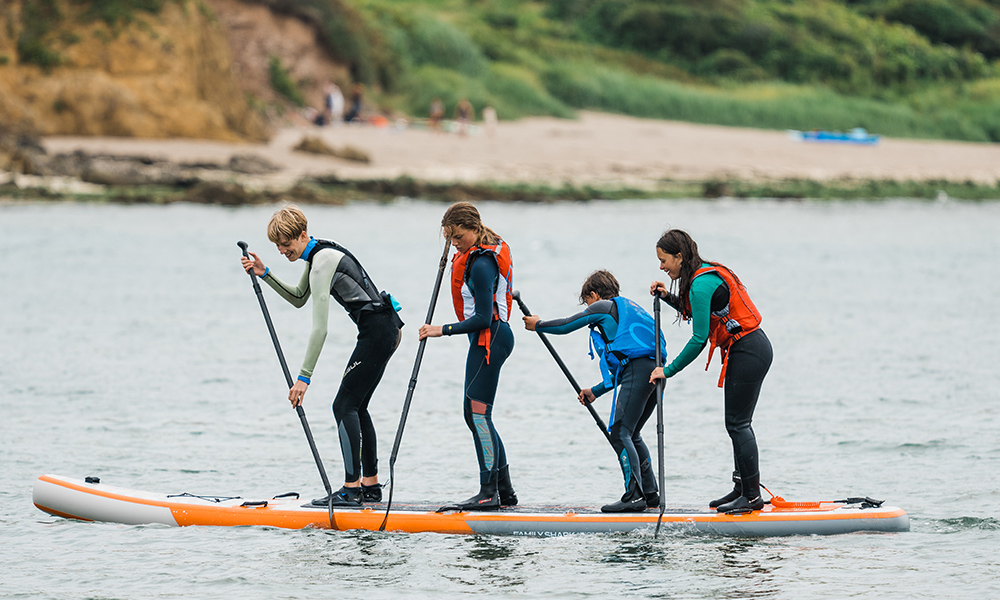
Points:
(281, 81)
(437, 43)
(38, 18)
(114, 12)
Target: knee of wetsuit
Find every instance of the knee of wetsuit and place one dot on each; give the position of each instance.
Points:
(619, 434)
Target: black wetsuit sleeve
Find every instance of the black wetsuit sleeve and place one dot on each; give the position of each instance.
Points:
(483, 275)
(673, 300)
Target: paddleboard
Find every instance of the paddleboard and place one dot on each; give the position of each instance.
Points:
(90, 500)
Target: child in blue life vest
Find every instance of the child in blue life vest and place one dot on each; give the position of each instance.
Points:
(624, 337)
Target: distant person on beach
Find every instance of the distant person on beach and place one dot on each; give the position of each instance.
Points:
(722, 315)
(357, 101)
(490, 121)
(333, 272)
(464, 115)
(334, 103)
(313, 116)
(481, 291)
(436, 114)
(622, 332)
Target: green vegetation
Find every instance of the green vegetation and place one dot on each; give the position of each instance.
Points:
(330, 190)
(902, 68)
(37, 21)
(40, 38)
(117, 12)
(906, 68)
(282, 82)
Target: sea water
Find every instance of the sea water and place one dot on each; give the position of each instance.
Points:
(132, 348)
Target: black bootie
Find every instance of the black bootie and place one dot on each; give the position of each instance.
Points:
(749, 499)
(486, 499)
(733, 495)
(345, 496)
(632, 501)
(505, 489)
(371, 493)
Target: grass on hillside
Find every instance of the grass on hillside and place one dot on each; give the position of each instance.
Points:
(510, 55)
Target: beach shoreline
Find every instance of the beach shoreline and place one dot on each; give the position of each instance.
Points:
(597, 152)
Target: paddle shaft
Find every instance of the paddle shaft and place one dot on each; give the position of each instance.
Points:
(563, 367)
(413, 381)
(659, 412)
(288, 376)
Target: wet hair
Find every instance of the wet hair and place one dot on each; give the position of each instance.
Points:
(674, 241)
(465, 215)
(287, 223)
(601, 282)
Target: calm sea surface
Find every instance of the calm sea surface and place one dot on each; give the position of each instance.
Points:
(132, 348)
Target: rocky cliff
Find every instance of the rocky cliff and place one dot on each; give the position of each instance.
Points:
(168, 74)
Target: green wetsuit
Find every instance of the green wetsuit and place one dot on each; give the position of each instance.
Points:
(700, 295)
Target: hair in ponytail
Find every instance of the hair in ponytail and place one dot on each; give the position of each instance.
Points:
(465, 215)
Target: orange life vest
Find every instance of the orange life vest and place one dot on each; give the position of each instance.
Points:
(461, 294)
(738, 318)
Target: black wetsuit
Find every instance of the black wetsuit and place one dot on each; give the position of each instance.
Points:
(335, 273)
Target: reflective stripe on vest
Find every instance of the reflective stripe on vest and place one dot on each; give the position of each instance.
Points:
(738, 318)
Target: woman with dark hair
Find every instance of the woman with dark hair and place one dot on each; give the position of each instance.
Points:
(482, 292)
(721, 313)
(622, 332)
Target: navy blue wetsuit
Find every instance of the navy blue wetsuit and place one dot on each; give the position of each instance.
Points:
(636, 397)
(482, 377)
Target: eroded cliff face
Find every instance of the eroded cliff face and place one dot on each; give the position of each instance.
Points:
(164, 75)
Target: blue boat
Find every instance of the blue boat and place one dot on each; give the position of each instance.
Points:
(858, 135)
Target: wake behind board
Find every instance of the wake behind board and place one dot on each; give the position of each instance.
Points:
(79, 499)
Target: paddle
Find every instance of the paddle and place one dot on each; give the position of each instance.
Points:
(597, 419)
(288, 380)
(659, 412)
(413, 383)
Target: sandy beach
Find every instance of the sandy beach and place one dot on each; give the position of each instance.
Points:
(599, 150)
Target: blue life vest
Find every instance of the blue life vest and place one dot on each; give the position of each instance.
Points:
(636, 337)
